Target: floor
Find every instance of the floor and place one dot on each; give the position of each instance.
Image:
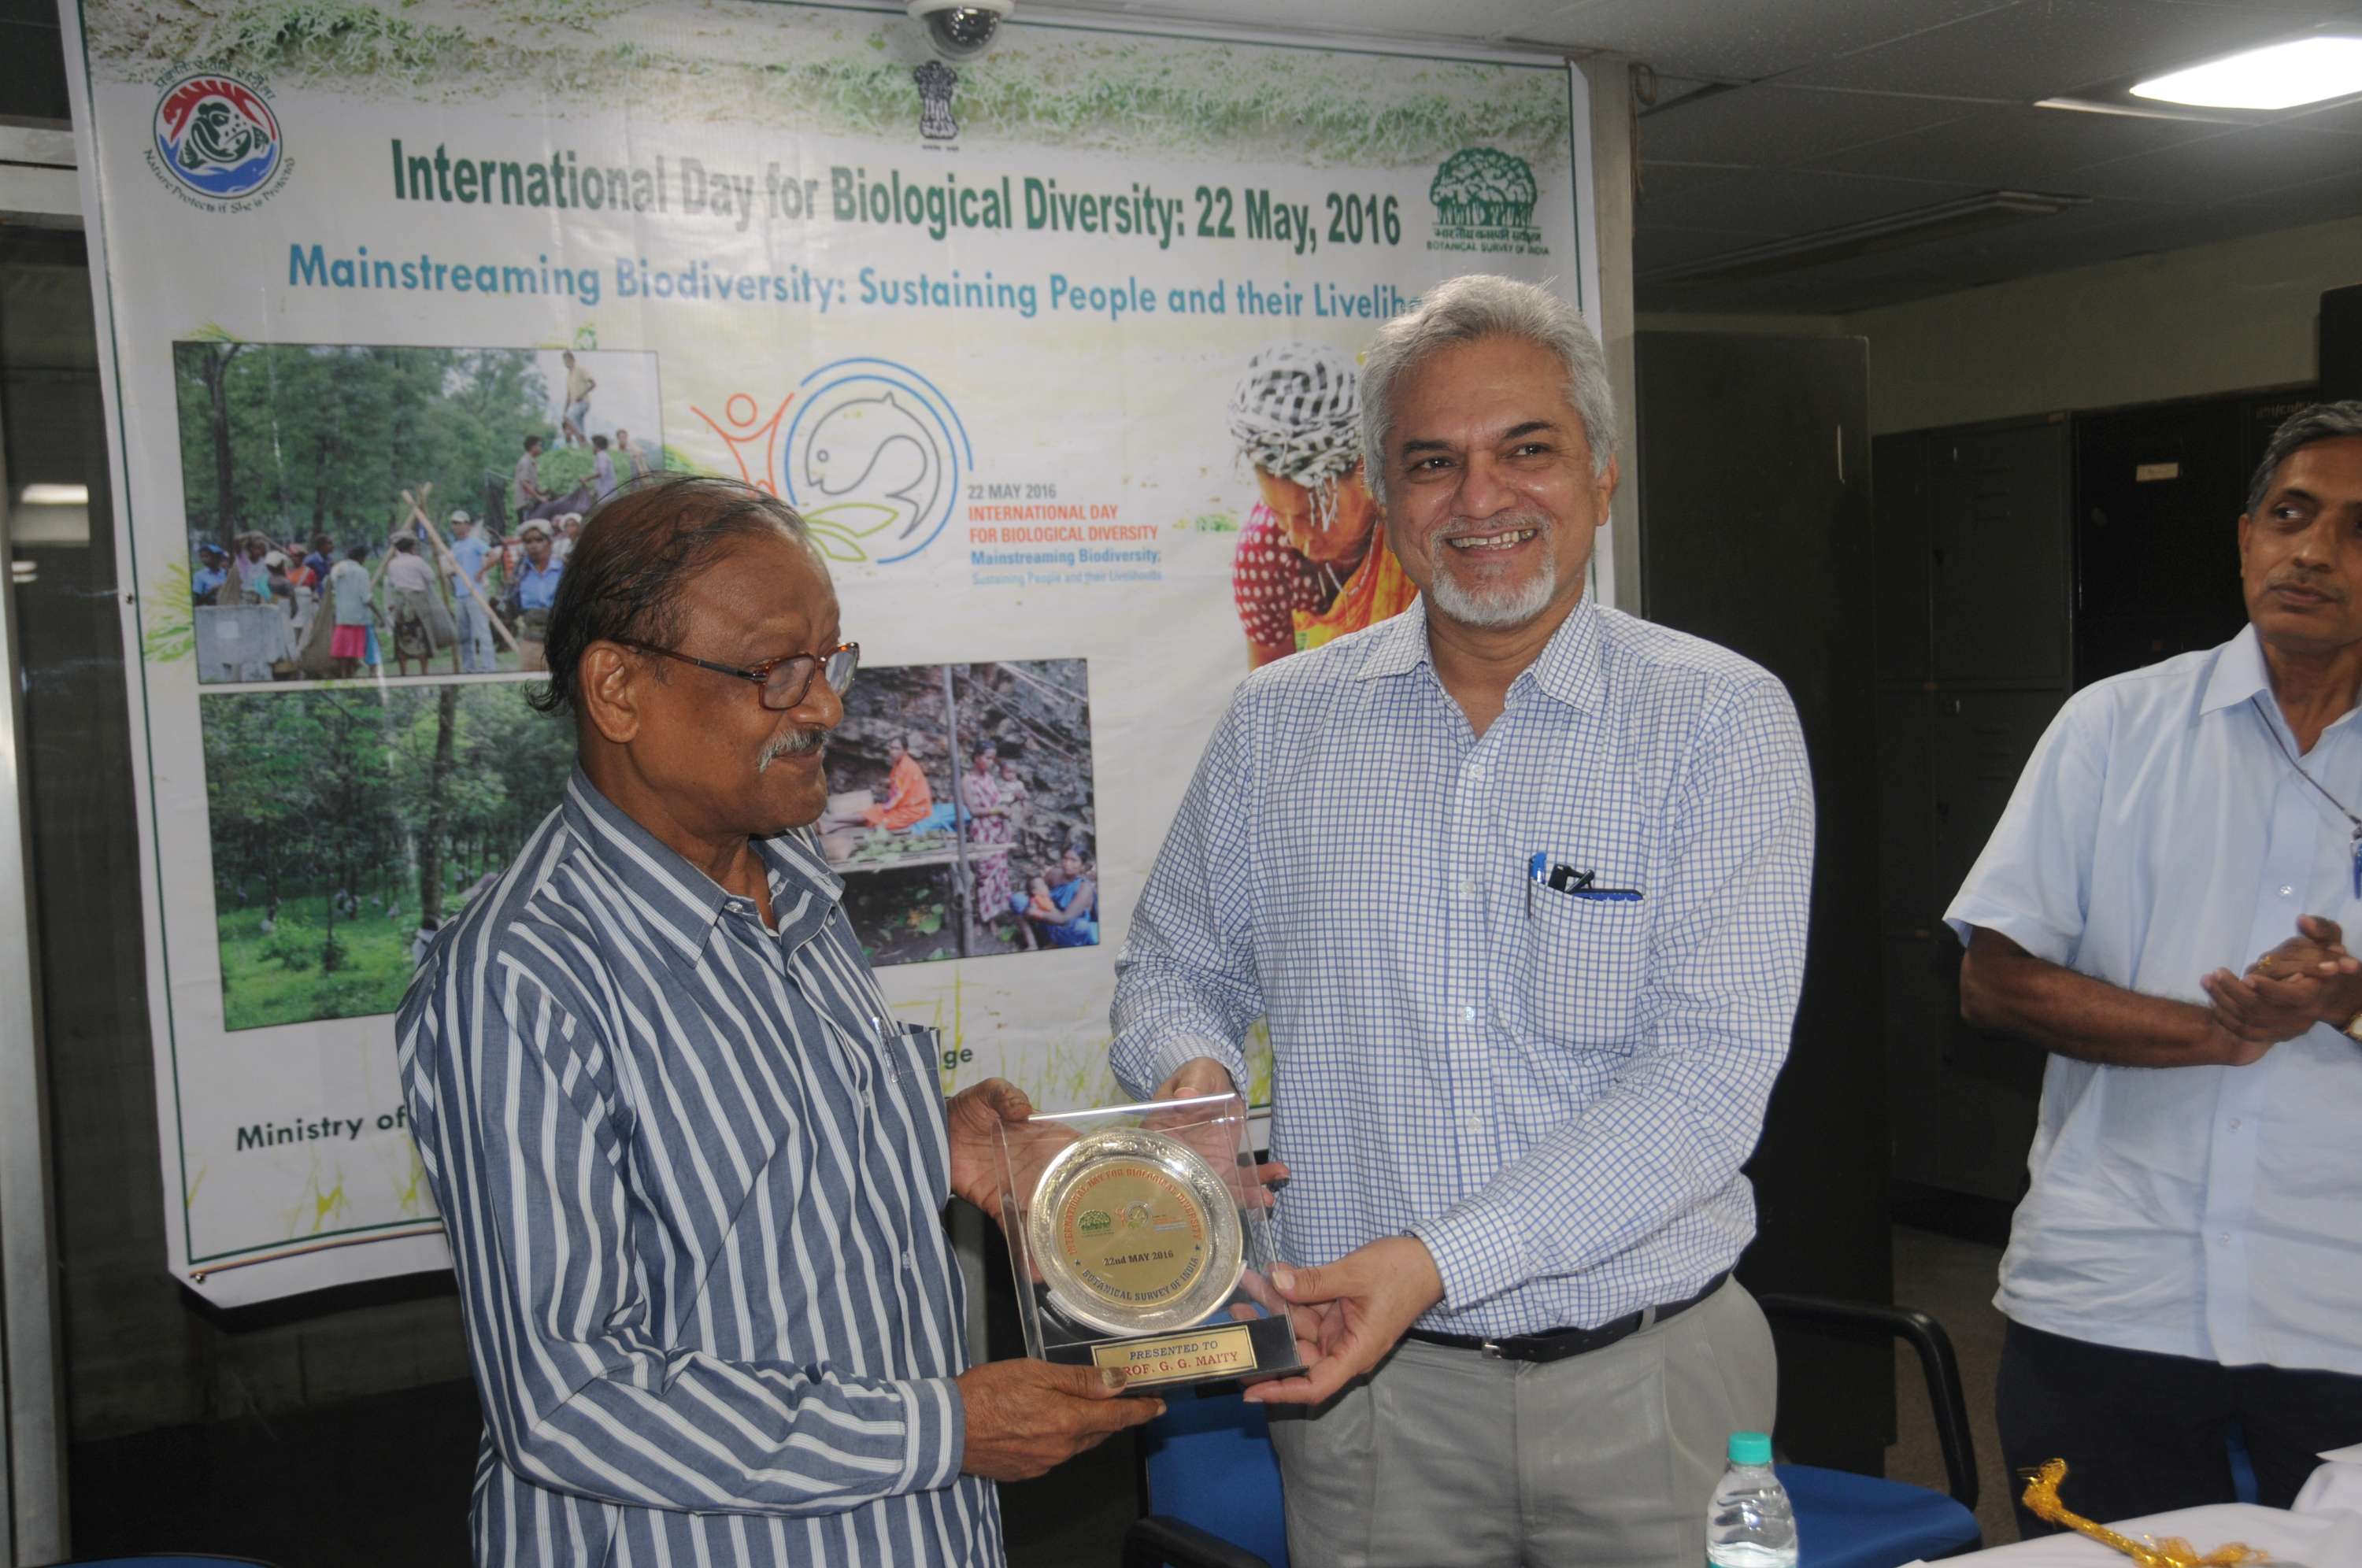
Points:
(384, 1481)
(1952, 1282)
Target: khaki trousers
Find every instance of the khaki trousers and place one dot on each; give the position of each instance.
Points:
(1447, 1457)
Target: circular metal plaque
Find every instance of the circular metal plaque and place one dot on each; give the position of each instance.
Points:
(1134, 1233)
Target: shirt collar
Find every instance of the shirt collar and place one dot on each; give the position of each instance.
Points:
(2239, 672)
(680, 901)
(1397, 646)
(1569, 668)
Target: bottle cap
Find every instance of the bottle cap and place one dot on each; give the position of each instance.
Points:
(1750, 1448)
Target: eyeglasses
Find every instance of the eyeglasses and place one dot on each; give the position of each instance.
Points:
(785, 680)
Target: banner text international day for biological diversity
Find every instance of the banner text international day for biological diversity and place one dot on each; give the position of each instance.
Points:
(937, 203)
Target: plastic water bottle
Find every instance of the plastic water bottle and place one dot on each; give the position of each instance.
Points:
(1751, 1523)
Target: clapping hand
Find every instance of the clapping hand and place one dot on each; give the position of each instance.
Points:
(2316, 951)
(2308, 980)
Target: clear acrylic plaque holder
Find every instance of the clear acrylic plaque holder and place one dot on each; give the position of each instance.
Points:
(1230, 1328)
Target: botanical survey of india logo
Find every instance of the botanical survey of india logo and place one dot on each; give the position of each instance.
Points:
(1485, 201)
(216, 135)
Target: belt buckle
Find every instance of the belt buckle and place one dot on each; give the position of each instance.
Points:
(1490, 1350)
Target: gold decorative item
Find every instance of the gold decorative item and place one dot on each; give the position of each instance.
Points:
(2042, 1501)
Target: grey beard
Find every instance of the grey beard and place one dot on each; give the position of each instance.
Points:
(795, 743)
(1512, 606)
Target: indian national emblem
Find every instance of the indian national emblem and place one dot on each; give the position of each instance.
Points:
(936, 82)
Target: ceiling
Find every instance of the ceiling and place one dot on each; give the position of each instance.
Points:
(1777, 120)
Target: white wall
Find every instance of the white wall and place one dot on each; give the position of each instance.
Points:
(2213, 318)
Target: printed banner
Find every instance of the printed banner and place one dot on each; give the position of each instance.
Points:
(1053, 349)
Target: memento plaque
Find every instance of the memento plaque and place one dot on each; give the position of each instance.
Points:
(1134, 1232)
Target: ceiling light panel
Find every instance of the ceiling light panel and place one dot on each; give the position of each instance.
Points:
(2279, 76)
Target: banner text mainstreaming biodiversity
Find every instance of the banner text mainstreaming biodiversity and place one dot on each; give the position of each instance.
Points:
(706, 282)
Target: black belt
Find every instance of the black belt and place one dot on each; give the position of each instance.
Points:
(1558, 1344)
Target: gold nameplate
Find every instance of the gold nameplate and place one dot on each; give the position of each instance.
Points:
(1218, 1353)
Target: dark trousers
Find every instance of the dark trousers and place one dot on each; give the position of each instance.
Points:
(2142, 1433)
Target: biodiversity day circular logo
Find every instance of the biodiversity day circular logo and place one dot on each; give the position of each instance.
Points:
(875, 456)
(216, 135)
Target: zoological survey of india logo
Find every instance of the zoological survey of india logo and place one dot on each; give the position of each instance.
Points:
(217, 142)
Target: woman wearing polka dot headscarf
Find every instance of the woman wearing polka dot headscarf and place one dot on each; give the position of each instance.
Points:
(1312, 564)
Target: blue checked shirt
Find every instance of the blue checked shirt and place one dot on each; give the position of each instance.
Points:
(693, 1184)
(1553, 1093)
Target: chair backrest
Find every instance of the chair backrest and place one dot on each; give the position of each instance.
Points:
(168, 1560)
(1209, 1464)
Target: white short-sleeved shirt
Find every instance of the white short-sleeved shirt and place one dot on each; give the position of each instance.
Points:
(2159, 832)
(409, 570)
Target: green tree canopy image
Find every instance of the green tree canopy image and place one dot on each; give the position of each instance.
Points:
(297, 439)
(1479, 188)
(345, 819)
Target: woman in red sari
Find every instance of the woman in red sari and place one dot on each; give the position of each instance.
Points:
(1312, 563)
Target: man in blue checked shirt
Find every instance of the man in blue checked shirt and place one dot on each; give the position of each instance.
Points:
(1520, 885)
(2163, 907)
(690, 1168)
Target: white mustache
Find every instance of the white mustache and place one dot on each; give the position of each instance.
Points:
(795, 743)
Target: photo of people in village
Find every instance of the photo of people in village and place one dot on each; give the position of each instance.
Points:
(960, 809)
(358, 511)
(349, 824)
(1311, 563)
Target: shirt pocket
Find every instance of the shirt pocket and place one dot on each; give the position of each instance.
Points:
(1586, 959)
(909, 1092)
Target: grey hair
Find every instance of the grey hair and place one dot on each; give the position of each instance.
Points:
(2321, 422)
(1462, 311)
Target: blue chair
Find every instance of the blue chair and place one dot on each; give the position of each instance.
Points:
(1208, 1463)
(1845, 1520)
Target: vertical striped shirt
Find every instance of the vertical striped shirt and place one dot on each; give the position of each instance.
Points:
(693, 1179)
(1554, 1089)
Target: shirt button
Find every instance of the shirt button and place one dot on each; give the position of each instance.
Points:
(1468, 1014)
(2223, 1240)
(2235, 1125)
(2286, 891)
(1468, 888)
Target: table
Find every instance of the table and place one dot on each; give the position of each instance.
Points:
(2324, 1530)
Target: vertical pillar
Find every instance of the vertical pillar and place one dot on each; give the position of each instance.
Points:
(1614, 155)
(32, 1473)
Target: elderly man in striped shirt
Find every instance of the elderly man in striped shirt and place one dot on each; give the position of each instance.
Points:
(692, 1169)
(1520, 884)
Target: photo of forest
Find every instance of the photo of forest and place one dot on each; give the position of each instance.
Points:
(299, 465)
(961, 811)
(348, 823)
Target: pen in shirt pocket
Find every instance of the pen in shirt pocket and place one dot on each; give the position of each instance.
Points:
(1574, 883)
